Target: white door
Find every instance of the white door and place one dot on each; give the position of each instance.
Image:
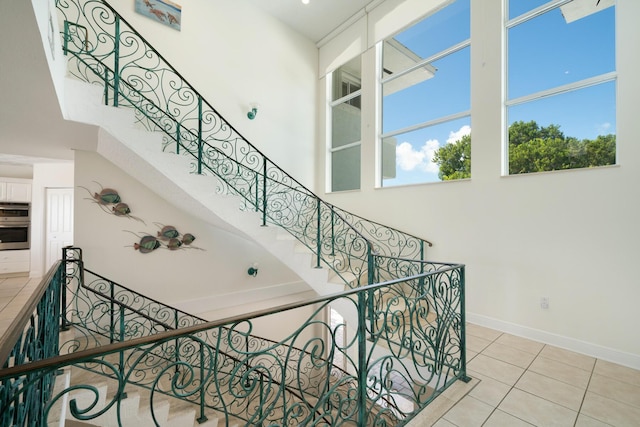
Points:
(59, 231)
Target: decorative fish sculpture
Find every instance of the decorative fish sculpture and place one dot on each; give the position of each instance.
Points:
(147, 244)
(174, 244)
(188, 238)
(107, 196)
(168, 232)
(121, 209)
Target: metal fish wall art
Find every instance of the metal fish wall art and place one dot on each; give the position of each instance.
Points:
(167, 238)
(110, 202)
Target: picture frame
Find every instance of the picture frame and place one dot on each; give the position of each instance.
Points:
(163, 11)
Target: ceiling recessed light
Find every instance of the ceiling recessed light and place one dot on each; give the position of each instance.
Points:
(305, 1)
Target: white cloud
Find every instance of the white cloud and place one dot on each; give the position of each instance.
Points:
(409, 159)
(456, 136)
(604, 128)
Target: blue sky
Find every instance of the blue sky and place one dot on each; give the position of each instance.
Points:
(544, 53)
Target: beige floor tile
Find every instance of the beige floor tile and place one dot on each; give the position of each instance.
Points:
(489, 390)
(610, 411)
(482, 332)
(520, 343)
(502, 419)
(535, 410)
(470, 355)
(443, 423)
(469, 412)
(584, 421)
(432, 413)
(509, 354)
(562, 372)
(496, 369)
(552, 390)
(618, 372)
(569, 357)
(477, 344)
(616, 390)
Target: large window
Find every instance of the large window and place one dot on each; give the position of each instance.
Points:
(561, 85)
(426, 122)
(345, 103)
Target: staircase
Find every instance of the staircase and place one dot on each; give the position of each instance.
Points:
(402, 339)
(139, 153)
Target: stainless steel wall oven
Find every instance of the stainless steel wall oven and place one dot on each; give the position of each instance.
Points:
(15, 225)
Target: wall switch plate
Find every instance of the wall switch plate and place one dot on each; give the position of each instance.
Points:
(544, 303)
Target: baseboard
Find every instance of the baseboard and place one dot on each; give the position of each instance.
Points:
(568, 343)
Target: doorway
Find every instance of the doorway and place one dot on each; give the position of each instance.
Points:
(59, 228)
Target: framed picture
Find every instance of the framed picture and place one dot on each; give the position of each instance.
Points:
(164, 11)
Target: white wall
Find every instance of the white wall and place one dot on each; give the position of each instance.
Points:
(45, 175)
(235, 54)
(571, 236)
(180, 278)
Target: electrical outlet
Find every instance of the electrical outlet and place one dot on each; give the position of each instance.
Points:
(544, 303)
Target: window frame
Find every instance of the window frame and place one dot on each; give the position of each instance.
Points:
(330, 106)
(607, 77)
(382, 79)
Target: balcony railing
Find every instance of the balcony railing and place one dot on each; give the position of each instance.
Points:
(104, 49)
(391, 369)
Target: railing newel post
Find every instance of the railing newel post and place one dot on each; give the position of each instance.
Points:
(121, 393)
(333, 235)
(106, 86)
(318, 231)
(264, 191)
(64, 324)
(112, 313)
(255, 175)
(421, 280)
(362, 361)
(200, 142)
(178, 125)
(463, 345)
(202, 418)
(116, 65)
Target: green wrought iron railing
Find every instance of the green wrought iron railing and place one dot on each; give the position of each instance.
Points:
(32, 337)
(391, 369)
(104, 49)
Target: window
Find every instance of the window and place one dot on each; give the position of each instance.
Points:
(561, 85)
(426, 121)
(345, 104)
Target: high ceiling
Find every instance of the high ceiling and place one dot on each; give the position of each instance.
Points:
(31, 123)
(30, 120)
(316, 19)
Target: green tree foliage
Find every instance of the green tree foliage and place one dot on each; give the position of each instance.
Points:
(532, 148)
(454, 159)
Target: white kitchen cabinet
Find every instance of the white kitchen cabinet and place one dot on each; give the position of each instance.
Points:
(15, 190)
(18, 192)
(18, 261)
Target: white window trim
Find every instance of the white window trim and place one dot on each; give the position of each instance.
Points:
(570, 87)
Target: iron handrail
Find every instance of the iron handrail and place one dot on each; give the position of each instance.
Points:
(83, 355)
(237, 135)
(334, 209)
(9, 338)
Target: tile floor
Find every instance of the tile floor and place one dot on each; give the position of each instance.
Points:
(14, 292)
(527, 383)
(516, 382)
